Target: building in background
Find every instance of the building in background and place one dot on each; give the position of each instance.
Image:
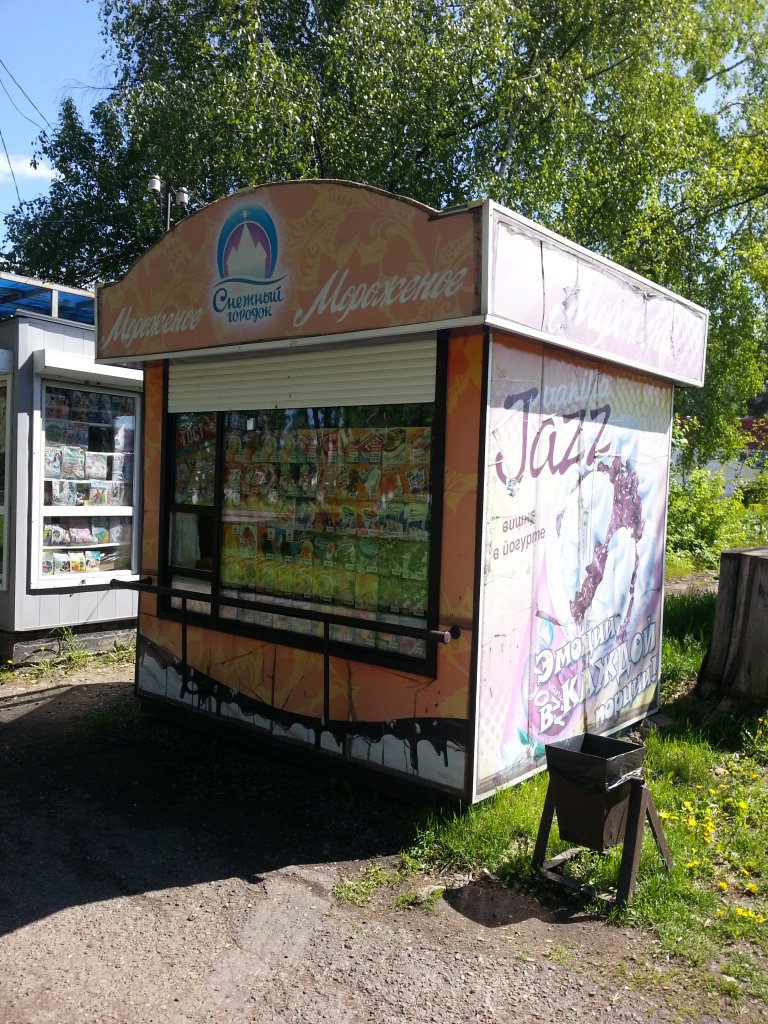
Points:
(68, 474)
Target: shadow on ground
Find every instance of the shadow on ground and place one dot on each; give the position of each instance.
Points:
(100, 800)
(493, 905)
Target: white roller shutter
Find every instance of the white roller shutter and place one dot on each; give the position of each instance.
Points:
(391, 372)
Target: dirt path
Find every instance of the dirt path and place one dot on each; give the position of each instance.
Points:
(698, 582)
(152, 875)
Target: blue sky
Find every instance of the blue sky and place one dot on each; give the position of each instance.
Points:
(52, 48)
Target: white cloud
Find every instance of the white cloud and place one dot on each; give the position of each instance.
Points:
(23, 169)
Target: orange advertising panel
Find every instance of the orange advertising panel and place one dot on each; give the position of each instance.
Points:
(290, 260)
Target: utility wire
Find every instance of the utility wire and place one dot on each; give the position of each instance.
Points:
(10, 167)
(13, 104)
(23, 93)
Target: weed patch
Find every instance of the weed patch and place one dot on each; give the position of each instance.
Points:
(360, 891)
(116, 723)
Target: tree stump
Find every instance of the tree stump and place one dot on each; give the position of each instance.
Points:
(735, 667)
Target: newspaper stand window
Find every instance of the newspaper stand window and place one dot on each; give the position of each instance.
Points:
(88, 482)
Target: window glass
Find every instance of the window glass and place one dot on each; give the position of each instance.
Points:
(3, 427)
(330, 509)
(191, 540)
(194, 469)
(88, 479)
(192, 531)
(86, 544)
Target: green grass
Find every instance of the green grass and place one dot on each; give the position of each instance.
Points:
(120, 653)
(688, 621)
(122, 722)
(689, 614)
(66, 652)
(360, 891)
(709, 782)
(678, 566)
(72, 649)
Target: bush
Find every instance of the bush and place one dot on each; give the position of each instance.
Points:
(677, 566)
(702, 520)
(755, 492)
(700, 517)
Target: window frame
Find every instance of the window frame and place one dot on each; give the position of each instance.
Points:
(43, 512)
(6, 380)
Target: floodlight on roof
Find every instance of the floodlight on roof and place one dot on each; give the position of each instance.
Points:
(167, 192)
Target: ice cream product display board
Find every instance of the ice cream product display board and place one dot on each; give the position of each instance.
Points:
(320, 508)
(88, 476)
(383, 416)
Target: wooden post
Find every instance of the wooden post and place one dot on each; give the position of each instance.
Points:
(633, 842)
(545, 825)
(735, 667)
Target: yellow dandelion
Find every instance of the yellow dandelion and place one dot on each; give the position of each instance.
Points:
(722, 886)
(751, 887)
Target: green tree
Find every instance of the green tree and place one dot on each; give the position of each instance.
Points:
(636, 127)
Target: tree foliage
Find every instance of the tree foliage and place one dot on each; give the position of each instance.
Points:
(636, 127)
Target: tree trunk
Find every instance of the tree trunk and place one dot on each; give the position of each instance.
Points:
(736, 664)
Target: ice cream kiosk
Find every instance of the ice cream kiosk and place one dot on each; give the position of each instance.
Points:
(404, 478)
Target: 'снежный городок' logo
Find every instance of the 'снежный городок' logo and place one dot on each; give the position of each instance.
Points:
(246, 257)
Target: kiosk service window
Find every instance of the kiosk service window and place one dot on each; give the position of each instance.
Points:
(322, 509)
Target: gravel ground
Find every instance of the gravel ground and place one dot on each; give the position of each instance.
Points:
(148, 874)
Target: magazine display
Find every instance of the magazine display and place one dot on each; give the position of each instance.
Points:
(335, 518)
(87, 463)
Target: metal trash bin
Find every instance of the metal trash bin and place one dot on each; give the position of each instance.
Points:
(590, 781)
